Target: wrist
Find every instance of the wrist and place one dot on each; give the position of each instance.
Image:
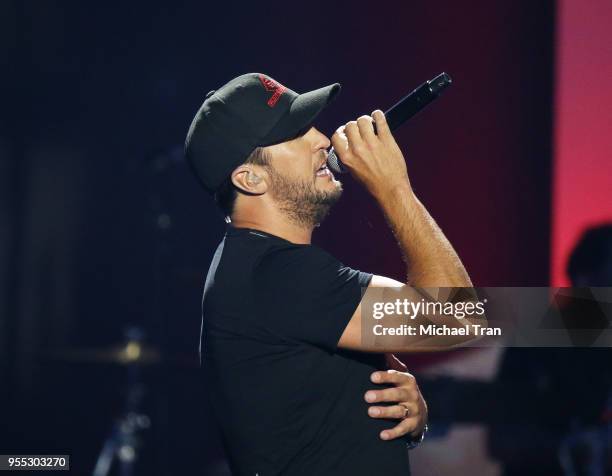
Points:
(390, 191)
(412, 441)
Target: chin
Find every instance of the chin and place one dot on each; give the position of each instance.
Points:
(336, 185)
(334, 191)
(330, 185)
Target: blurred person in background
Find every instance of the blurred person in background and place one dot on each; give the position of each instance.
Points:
(560, 398)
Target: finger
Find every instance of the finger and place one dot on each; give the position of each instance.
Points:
(382, 128)
(339, 133)
(354, 137)
(404, 427)
(366, 129)
(339, 140)
(397, 394)
(394, 363)
(395, 412)
(393, 376)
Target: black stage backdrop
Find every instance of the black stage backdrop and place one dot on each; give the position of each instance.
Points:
(101, 224)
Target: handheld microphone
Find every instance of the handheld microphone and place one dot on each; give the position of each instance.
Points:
(403, 110)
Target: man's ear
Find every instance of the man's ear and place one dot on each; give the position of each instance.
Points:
(250, 180)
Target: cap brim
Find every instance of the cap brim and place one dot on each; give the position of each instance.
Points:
(301, 114)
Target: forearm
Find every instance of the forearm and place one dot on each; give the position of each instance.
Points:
(377, 162)
(430, 259)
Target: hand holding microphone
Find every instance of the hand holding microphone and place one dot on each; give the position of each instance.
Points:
(403, 110)
(373, 157)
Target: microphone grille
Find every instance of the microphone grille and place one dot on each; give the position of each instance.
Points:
(333, 162)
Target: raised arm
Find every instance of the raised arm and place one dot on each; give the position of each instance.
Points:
(376, 161)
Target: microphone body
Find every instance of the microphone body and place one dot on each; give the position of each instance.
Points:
(403, 110)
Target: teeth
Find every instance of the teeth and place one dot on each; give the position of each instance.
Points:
(323, 170)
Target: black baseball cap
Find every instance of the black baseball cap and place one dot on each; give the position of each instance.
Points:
(250, 111)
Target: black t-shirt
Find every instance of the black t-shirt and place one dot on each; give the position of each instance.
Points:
(287, 399)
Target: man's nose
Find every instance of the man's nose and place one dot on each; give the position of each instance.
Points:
(323, 141)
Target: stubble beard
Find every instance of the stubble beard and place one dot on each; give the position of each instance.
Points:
(300, 200)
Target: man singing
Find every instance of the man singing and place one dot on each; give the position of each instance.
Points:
(294, 389)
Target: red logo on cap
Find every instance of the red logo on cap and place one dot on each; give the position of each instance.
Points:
(274, 87)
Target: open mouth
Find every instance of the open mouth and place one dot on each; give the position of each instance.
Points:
(323, 171)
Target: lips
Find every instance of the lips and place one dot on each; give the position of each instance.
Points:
(323, 171)
(323, 163)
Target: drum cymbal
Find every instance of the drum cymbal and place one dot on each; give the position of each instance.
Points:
(132, 352)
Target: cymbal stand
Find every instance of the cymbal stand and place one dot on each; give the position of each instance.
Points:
(124, 440)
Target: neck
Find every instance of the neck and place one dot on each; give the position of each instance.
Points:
(273, 222)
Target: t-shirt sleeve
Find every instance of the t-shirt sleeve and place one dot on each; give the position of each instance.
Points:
(306, 295)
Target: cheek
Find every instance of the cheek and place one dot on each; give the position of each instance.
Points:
(295, 163)
(301, 168)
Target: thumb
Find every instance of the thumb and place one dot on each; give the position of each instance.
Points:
(394, 363)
